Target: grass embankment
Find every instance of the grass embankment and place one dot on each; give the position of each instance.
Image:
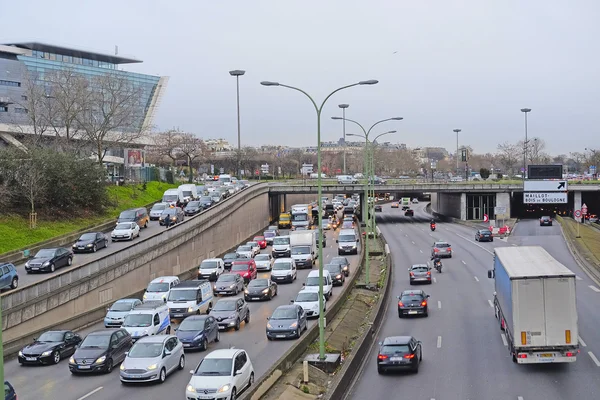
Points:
(588, 245)
(15, 233)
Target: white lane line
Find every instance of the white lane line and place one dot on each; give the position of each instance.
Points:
(90, 393)
(412, 242)
(594, 359)
(439, 342)
(514, 244)
(476, 278)
(434, 280)
(491, 303)
(579, 278)
(430, 235)
(581, 341)
(504, 341)
(595, 289)
(420, 250)
(328, 255)
(463, 261)
(474, 243)
(439, 304)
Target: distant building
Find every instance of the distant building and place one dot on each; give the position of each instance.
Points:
(218, 145)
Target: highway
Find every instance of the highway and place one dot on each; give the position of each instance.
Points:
(464, 355)
(56, 382)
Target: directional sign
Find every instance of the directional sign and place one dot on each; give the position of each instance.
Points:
(545, 198)
(584, 209)
(500, 210)
(577, 213)
(545, 186)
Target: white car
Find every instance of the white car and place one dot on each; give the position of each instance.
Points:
(264, 262)
(284, 270)
(245, 251)
(222, 374)
(309, 301)
(125, 231)
(312, 283)
(415, 201)
(255, 248)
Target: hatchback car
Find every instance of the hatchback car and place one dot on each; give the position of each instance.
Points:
(229, 284)
(197, 331)
(229, 258)
(484, 235)
(264, 262)
(337, 275)
(245, 251)
(90, 242)
(442, 249)
(260, 289)
(9, 391)
(245, 267)
(545, 221)
(125, 231)
(49, 260)
(115, 314)
(230, 313)
(175, 214)
(419, 273)
(399, 353)
(49, 348)
(255, 247)
(413, 302)
(269, 235)
(343, 261)
(157, 210)
(100, 351)
(395, 205)
(409, 213)
(287, 321)
(262, 242)
(193, 207)
(309, 301)
(9, 278)
(152, 358)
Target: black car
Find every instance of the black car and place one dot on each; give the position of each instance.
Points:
(419, 273)
(91, 242)
(49, 259)
(409, 213)
(399, 353)
(349, 210)
(317, 239)
(49, 348)
(9, 391)
(176, 214)
(193, 208)
(378, 208)
(343, 261)
(413, 302)
(206, 202)
(100, 351)
(337, 275)
(545, 221)
(260, 289)
(197, 331)
(484, 235)
(229, 258)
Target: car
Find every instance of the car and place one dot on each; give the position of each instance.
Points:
(245, 267)
(197, 331)
(409, 213)
(125, 231)
(160, 288)
(378, 208)
(90, 242)
(9, 391)
(9, 277)
(593, 218)
(269, 234)
(206, 202)
(193, 207)
(230, 313)
(49, 348)
(229, 258)
(260, 289)
(264, 262)
(545, 221)
(399, 353)
(395, 205)
(115, 314)
(255, 247)
(176, 215)
(273, 228)
(228, 371)
(262, 242)
(245, 251)
(229, 284)
(284, 270)
(415, 201)
(309, 301)
(211, 269)
(312, 283)
(138, 215)
(100, 351)
(152, 359)
(337, 275)
(419, 273)
(442, 249)
(326, 224)
(50, 259)
(287, 321)
(347, 225)
(413, 302)
(157, 210)
(484, 235)
(343, 261)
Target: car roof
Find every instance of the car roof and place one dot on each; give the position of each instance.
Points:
(347, 231)
(154, 339)
(228, 274)
(162, 279)
(258, 236)
(316, 273)
(397, 340)
(57, 331)
(413, 291)
(196, 317)
(213, 259)
(286, 307)
(223, 353)
(127, 300)
(307, 291)
(283, 260)
(419, 266)
(228, 299)
(105, 332)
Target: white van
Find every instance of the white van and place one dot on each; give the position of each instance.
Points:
(225, 179)
(189, 298)
(188, 192)
(312, 283)
(160, 287)
(211, 269)
(347, 242)
(147, 319)
(171, 197)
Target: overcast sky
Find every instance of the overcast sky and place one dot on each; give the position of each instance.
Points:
(442, 64)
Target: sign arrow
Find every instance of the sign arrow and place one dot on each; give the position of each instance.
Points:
(561, 185)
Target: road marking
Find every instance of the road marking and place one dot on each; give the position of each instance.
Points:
(405, 235)
(504, 341)
(439, 342)
(327, 255)
(490, 303)
(90, 393)
(430, 235)
(473, 243)
(579, 278)
(439, 304)
(581, 341)
(594, 359)
(420, 250)
(519, 397)
(476, 278)
(434, 280)
(413, 242)
(595, 289)
(463, 261)
(514, 244)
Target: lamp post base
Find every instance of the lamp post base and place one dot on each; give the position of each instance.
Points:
(331, 362)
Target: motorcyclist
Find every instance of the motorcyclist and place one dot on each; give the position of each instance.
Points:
(436, 260)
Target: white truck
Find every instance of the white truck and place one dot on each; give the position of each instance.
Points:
(281, 247)
(173, 197)
(188, 192)
(304, 248)
(535, 304)
(301, 216)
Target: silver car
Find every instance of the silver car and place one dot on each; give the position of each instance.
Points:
(441, 249)
(264, 262)
(156, 211)
(152, 358)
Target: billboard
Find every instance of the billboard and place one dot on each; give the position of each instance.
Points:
(544, 171)
(135, 158)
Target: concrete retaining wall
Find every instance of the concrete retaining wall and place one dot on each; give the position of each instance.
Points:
(71, 296)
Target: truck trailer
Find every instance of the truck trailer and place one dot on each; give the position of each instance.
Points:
(304, 248)
(535, 305)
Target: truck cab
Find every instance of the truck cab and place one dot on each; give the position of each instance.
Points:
(285, 221)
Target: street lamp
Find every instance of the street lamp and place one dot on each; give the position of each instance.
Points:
(343, 107)
(525, 110)
(457, 131)
(320, 194)
(237, 73)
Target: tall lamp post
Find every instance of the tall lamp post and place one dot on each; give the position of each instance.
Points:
(237, 73)
(319, 109)
(526, 111)
(457, 131)
(343, 107)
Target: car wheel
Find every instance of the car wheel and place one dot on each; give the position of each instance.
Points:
(420, 355)
(94, 249)
(14, 283)
(492, 239)
(181, 362)
(251, 380)
(237, 325)
(380, 370)
(247, 319)
(426, 312)
(52, 267)
(106, 244)
(399, 314)
(269, 338)
(233, 394)
(204, 344)
(109, 366)
(209, 308)
(416, 368)
(218, 337)
(70, 261)
(112, 240)
(56, 357)
(169, 330)
(411, 282)
(163, 376)
(146, 224)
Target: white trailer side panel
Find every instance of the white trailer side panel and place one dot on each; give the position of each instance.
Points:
(561, 311)
(528, 313)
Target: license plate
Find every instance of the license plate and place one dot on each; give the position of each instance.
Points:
(547, 355)
(81, 248)
(412, 312)
(84, 367)
(35, 269)
(255, 298)
(31, 358)
(204, 396)
(178, 315)
(280, 336)
(395, 359)
(186, 345)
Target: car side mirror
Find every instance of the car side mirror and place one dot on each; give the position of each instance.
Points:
(380, 343)
(238, 372)
(166, 353)
(126, 353)
(398, 297)
(107, 308)
(292, 301)
(491, 274)
(34, 339)
(428, 296)
(268, 318)
(192, 371)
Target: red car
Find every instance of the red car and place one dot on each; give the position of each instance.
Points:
(262, 242)
(245, 267)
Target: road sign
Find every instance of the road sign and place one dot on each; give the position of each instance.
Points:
(545, 186)
(264, 168)
(545, 198)
(577, 213)
(584, 209)
(500, 210)
(485, 218)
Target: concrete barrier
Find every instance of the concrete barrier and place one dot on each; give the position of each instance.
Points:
(78, 294)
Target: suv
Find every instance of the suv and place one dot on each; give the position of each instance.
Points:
(8, 276)
(230, 370)
(230, 313)
(442, 249)
(545, 221)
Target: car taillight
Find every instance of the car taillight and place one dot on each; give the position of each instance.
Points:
(412, 274)
(409, 356)
(400, 304)
(428, 272)
(423, 303)
(436, 250)
(382, 357)
(570, 354)
(449, 248)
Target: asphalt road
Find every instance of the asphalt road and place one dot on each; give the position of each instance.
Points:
(463, 352)
(56, 382)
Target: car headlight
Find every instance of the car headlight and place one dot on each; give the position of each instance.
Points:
(74, 245)
(101, 360)
(269, 325)
(152, 367)
(190, 388)
(265, 291)
(345, 268)
(232, 316)
(145, 332)
(231, 286)
(294, 325)
(89, 245)
(145, 296)
(20, 353)
(46, 263)
(224, 388)
(46, 353)
(122, 367)
(246, 291)
(190, 309)
(72, 360)
(27, 264)
(338, 276)
(164, 296)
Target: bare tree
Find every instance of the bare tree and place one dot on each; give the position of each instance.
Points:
(191, 147)
(508, 156)
(34, 105)
(165, 144)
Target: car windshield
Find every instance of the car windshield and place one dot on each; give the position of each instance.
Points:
(308, 296)
(394, 349)
(261, 257)
(313, 281)
(209, 265)
(169, 211)
(284, 218)
(95, 342)
(252, 244)
(121, 306)
(339, 260)
(419, 269)
(300, 217)
(442, 245)
(88, 236)
(346, 224)
(214, 367)
(258, 283)
(138, 320)
(158, 207)
(45, 253)
(187, 193)
(192, 325)
(182, 295)
(127, 215)
(409, 298)
(158, 287)
(228, 305)
(281, 240)
(282, 266)
(205, 199)
(170, 197)
(226, 278)
(51, 337)
(347, 238)
(230, 256)
(145, 350)
(123, 227)
(284, 313)
(334, 268)
(193, 204)
(484, 232)
(269, 234)
(300, 250)
(244, 248)
(239, 267)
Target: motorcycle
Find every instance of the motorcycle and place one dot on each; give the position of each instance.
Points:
(438, 266)
(432, 227)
